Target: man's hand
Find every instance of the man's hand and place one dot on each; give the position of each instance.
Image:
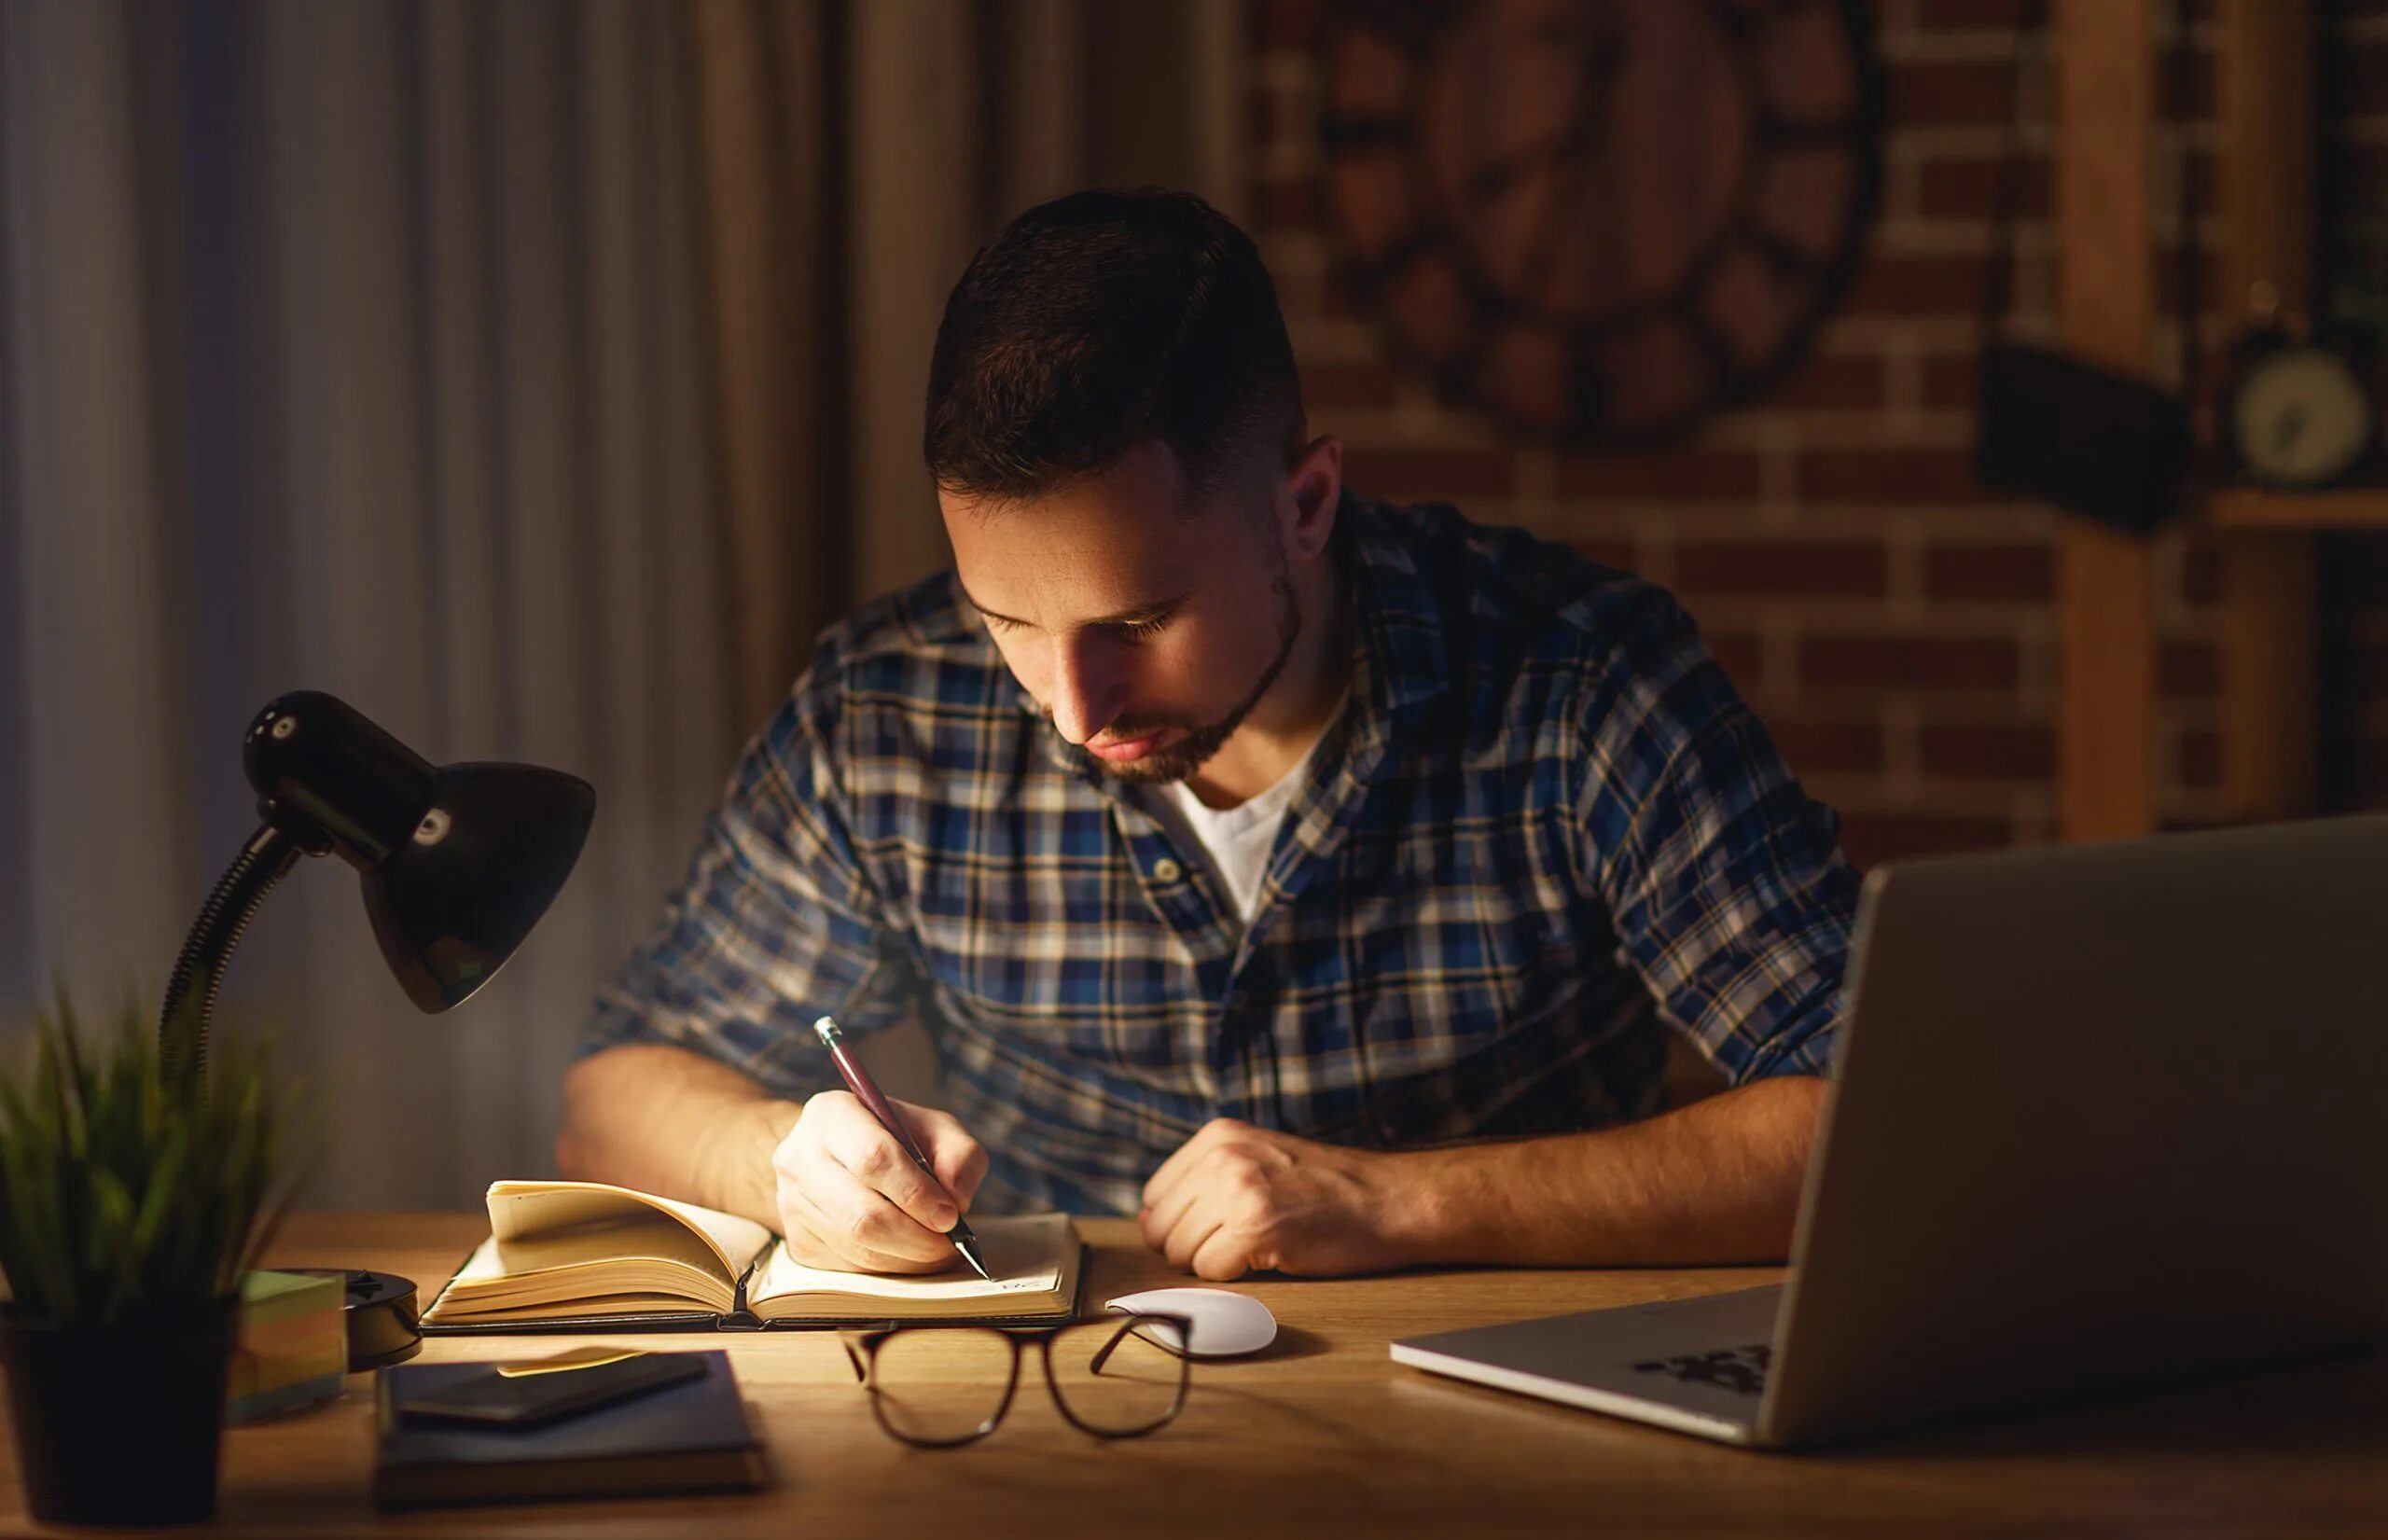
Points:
(850, 1197)
(1236, 1199)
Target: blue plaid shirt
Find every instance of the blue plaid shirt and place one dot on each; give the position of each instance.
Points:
(1543, 830)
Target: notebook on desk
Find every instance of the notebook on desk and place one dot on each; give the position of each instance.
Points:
(688, 1437)
(583, 1255)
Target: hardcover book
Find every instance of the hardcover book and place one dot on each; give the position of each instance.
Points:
(687, 1437)
(576, 1255)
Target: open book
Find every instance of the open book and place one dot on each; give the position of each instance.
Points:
(573, 1255)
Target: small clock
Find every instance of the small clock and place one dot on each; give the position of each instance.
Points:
(2294, 413)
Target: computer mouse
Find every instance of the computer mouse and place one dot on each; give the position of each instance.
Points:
(1226, 1324)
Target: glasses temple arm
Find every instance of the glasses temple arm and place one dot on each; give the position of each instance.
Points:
(1182, 1326)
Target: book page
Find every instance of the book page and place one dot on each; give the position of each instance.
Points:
(491, 1285)
(1028, 1255)
(483, 1290)
(591, 1220)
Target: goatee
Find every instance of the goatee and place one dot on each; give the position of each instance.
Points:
(1178, 760)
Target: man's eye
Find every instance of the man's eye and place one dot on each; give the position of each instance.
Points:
(1142, 629)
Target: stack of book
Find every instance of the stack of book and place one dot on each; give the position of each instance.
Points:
(692, 1436)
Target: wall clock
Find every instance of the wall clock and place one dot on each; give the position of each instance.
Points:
(1602, 219)
(2294, 413)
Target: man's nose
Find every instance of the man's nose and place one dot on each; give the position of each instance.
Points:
(1087, 687)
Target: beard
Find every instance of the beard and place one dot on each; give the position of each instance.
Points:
(1176, 762)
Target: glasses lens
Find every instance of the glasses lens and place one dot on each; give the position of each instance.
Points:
(1119, 1375)
(941, 1385)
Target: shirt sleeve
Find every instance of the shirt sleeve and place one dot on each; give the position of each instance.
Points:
(1724, 879)
(777, 923)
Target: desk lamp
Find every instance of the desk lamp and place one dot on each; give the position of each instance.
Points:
(457, 863)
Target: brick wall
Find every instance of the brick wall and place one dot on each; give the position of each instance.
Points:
(1892, 622)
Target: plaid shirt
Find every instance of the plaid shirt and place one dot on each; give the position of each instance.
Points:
(1543, 830)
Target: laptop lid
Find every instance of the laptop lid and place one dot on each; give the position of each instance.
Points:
(2103, 1114)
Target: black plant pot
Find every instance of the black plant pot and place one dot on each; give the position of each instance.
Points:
(119, 1424)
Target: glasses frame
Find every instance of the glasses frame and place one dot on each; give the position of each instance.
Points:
(862, 1355)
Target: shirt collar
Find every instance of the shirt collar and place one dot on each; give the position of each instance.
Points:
(1398, 634)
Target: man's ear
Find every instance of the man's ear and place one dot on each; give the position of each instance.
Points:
(1309, 495)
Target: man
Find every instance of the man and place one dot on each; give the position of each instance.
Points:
(1312, 879)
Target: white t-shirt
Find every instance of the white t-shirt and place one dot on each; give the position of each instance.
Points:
(1237, 840)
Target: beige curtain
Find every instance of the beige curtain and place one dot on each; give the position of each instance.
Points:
(539, 376)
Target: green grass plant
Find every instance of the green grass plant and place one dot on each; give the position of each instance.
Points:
(131, 1191)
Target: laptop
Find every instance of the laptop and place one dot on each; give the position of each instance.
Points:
(2101, 1116)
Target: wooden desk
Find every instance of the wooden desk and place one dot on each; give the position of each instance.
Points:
(1325, 1436)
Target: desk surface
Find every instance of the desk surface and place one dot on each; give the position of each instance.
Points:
(1325, 1436)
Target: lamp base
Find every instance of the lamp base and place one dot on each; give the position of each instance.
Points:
(384, 1325)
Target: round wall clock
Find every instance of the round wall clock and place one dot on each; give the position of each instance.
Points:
(1603, 219)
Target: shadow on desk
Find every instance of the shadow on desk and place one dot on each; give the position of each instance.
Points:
(2329, 1406)
(1292, 1342)
(2333, 1406)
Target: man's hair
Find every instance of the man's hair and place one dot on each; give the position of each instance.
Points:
(1099, 322)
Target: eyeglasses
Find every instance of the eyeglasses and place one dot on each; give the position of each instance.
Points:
(937, 1387)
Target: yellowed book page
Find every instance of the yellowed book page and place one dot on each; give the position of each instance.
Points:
(485, 1285)
(1027, 1253)
(592, 1220)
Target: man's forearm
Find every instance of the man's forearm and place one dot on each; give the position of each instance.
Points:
(669, 1121)
(1717, 1181)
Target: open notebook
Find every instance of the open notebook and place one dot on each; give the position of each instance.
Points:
(574, 1255)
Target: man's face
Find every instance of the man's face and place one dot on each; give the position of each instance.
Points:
(1147, 635)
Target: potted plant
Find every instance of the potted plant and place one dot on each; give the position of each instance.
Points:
(132, 1193)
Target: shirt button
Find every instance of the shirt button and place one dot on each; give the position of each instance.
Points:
(1167, 870)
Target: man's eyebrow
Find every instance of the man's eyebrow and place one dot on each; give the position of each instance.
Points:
(1117, 617)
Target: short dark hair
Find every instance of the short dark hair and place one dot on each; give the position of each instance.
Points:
(1099, 322)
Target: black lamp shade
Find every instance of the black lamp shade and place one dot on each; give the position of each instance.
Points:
(457, 863)
(449, 911)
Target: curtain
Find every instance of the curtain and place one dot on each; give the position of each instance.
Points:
(537, 376)
(356, 348)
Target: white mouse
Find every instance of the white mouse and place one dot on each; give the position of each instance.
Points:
(1227, 1324)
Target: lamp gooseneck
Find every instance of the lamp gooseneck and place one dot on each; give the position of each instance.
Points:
(198, 972)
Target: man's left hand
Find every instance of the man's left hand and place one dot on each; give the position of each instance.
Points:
(1236, 1199)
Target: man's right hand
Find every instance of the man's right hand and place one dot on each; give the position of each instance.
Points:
(849, 1197)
